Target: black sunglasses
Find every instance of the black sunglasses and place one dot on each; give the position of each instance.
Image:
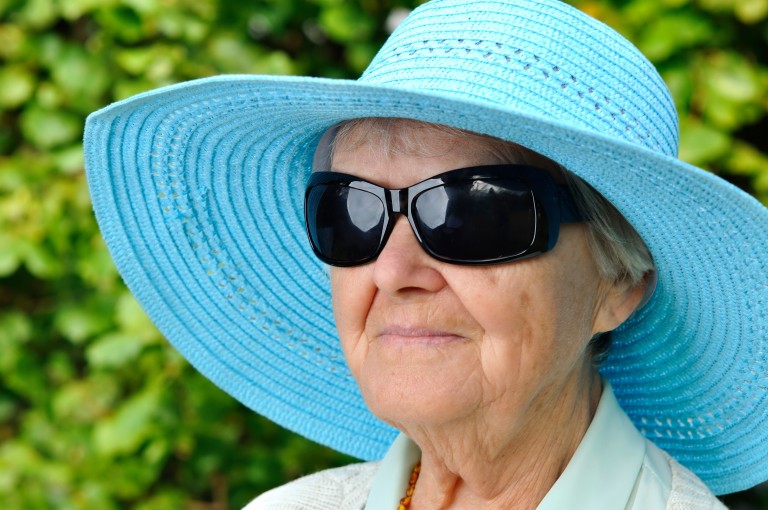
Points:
(470, 216)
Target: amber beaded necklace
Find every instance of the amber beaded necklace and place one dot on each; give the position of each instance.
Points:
(405, 503)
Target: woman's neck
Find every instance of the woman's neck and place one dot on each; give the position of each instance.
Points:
(489, 462)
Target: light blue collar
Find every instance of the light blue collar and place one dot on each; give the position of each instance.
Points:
(601, 474)
(391, 481)
(603, 470)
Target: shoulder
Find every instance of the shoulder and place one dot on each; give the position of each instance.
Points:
(345, 487)
(685, 491)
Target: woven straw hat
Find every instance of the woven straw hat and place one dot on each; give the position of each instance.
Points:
(198, 191)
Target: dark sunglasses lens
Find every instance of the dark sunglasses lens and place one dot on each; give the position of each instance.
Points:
(477, 221)
(345, 224)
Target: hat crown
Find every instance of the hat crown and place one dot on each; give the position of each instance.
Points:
(543, 58)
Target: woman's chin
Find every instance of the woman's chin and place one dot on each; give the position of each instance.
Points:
(425, 389)
(419, 413)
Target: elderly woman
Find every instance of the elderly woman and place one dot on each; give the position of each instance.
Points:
(513, 291)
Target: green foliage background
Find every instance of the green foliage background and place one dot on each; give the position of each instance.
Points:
(96, 410)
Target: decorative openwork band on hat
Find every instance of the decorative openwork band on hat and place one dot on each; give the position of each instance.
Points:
(198, 192)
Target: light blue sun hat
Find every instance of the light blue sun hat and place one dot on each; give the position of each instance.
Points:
(198, 192)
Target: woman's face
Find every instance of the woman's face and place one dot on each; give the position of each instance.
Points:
(430, 343)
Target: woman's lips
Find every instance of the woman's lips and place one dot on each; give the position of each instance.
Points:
(418, 336)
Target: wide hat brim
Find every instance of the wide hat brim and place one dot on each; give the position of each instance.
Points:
(198, 191)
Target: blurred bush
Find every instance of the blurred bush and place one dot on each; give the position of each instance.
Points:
(96, 410)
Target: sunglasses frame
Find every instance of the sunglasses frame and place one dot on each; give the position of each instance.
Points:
(552, 202)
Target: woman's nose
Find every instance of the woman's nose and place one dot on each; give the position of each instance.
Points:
(403, 267)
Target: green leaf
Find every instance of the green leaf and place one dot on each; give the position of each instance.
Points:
(12, 41)
(47, 129)
(8, 408)
(18, 456)
(701, 144)
(172, 498)
(761, 187)
(136, 60)
(74, 9)
(680, 83)
(24, 376)
(16, 85)
(718, 6)
(730, 90)
(132, 477)
(114, 350)
(745, 159)
(144, 6)
(15, 329)
(232, 54)
(85, 401)
(125, 431)
(752, 11)
(78, 323)
(9, 255)
(69, 160)
(131, 318)
(96, 268)
(38, 13)
(178, 25)
(69, 72)
(731, 77)
(360, 55)
(670, 34)
(124, 24)
(127, 88)
(42, 262)
(346, 23)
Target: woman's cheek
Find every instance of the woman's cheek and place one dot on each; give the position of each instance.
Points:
(351, 299)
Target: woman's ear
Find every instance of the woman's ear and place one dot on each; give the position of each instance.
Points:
(619, 299)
